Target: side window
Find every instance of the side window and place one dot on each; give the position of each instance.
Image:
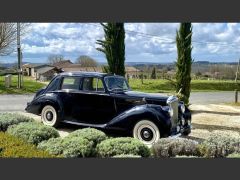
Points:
(93, 84)
(71, 83)
(53, 86)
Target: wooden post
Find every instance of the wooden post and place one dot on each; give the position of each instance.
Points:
(236, 78)
(236, 96)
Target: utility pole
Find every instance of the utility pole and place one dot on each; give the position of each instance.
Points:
(19, 57)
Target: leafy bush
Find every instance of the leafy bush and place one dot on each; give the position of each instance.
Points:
(123, 145)
(234, 155)
(12, 147)
(68, 147)
(127, 156)
(33, 132)
(53, 146)
(219, 145)
(90, 134)
(171, 147)
(8, 119)
(187, 156)
(77, 147)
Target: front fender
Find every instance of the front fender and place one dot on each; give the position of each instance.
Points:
(126, 120)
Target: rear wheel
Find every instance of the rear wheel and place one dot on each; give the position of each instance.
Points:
(147, 132)
(49, 116)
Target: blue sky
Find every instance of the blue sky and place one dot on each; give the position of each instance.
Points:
(145, 42)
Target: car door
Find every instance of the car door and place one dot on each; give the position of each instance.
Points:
(92, 104)
(70, 85)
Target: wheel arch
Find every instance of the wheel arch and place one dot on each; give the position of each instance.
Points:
(128, 119)
(55, 105)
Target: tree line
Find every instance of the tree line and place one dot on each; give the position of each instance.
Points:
(113, 46)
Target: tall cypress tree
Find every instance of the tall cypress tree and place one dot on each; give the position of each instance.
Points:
(184, 60)
(153, 75)
(113, 46)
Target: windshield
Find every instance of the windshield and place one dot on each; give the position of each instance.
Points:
(116, 83)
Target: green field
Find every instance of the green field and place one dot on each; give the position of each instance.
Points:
(149, 85)
(159, 85)
(30, 86)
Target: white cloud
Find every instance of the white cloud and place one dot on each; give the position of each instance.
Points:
(154, 40)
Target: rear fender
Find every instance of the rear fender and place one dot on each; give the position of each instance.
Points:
(39, 102)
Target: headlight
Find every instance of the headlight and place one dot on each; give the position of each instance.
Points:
(183, 108)
(170, 111)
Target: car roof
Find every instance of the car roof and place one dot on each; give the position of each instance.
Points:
(82, 73)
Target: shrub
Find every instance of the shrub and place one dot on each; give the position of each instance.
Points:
(53, 146)
(123, 145)
(219, 145)
(68, 147)
(12, 147)
(234, 155)
(171, 147)
(127, 156)
(90, 134)
(187, 156)
(8, 119)
(77, 147)
(33, 132)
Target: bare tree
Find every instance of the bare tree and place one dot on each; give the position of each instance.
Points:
(86, 61)
(54, 58)
(8, 37)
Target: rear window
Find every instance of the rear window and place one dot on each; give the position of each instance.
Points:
(54, 85)
(93, 84)
(71, 83)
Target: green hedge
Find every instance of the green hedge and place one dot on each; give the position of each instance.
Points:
(127, 156)
(33, 132)
(68, 147)
(80, 143)
(234, 155)
(123, 145)
(77, 147)
(53, 146)
(219, 145)
(12, 147)
(91, 134)
(8, 119)
(171, 147)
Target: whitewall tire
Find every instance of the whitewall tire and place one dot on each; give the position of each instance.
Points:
(49, 116)
(147, 132)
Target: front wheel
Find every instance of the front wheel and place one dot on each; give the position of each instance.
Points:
(147, 132)
(49, 116)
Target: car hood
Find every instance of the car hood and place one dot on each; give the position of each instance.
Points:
(149, 97)
(146, 95)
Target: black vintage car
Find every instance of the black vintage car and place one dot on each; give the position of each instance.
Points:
(106, 102)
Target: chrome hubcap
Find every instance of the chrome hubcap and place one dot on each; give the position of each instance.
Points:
(146, 134)
(49, 116)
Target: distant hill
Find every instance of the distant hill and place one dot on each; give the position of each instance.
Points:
(10, 65)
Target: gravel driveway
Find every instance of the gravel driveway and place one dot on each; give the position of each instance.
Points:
(208, 113)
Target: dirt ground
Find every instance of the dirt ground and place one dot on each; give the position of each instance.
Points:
(214, 117)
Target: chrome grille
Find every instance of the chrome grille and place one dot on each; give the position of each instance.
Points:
(173, 101)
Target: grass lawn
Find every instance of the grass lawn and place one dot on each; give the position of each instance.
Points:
(29, 86)
(159, 85)
(234, 104)
(149, 85)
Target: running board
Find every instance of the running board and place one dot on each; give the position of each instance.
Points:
(176, 135)
(86, 125)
